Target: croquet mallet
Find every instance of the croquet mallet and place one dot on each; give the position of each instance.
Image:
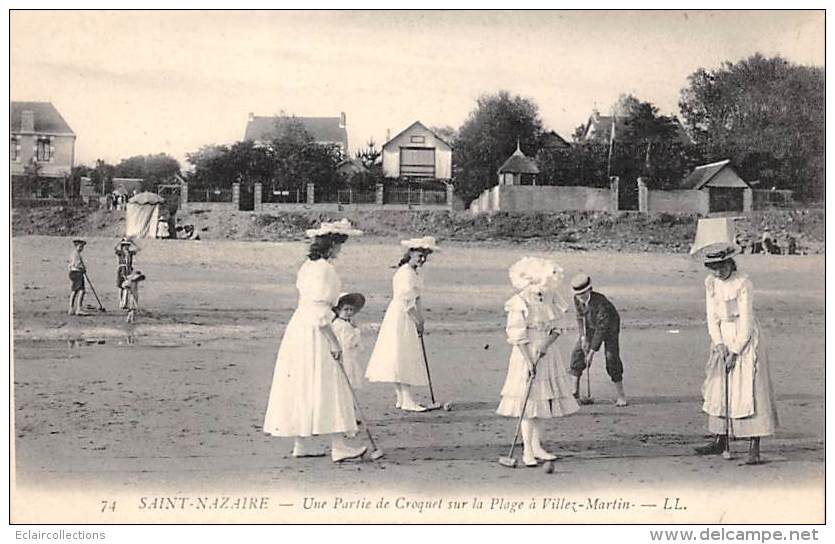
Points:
(726, 454)
(376, 453)
(588, 398)
(509, 461)
(435, 405)
(93, 289)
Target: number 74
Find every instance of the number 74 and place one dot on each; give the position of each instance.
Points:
(108, 505)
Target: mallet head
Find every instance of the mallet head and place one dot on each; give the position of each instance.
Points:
(447, 406)
(509, 462)
(377, 454)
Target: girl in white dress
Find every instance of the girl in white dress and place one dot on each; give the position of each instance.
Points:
(533, 325)
(349, 335)
(735, 338)
(397, 356)
(309, 395)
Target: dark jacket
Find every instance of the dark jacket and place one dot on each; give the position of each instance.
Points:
(602, 319)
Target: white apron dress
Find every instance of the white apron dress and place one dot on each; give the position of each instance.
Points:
(397, 356)
(731, 321)
(350, 338)
(528, 323)
(309, 394)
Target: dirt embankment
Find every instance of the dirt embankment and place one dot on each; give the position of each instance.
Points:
(560, 230)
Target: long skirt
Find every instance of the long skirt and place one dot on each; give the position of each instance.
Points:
(551, 391)
(309, 394)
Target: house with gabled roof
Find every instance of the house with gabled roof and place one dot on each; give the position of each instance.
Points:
(417, 153)
(39, 135)
(324, 130)
(599, 128)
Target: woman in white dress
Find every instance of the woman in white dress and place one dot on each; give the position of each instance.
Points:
(397, 356)
(735, 338)
(310, 396)
(533, 325)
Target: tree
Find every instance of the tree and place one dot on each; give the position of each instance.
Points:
(489, 136)
(766, 115)
(101, 176)
(370, 155)
(152, 169)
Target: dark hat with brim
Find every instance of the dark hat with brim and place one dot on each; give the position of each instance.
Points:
(79, 241)
(356, 300)
(720, 255)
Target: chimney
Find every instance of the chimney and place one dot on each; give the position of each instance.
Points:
(27, 121)
(251, 116)
(342, 120)
(388, 135)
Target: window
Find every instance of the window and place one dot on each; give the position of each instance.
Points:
(44, 151)
(13, 154)
(417, 162)
(418, 139)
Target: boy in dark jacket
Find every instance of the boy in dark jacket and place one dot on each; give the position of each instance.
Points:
(599, 325)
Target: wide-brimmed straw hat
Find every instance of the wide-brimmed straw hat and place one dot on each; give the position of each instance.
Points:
(337, 227)
(357, 300)
(535, 272)
(722, 254)
(427, 243)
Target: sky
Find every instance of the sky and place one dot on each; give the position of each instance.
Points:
(135, 83)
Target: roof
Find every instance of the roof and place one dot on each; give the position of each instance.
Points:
(701, 175)
(47, 118)
(322, 129)
(410, 127)
(602, 125)
(552, 139)
(518, 163)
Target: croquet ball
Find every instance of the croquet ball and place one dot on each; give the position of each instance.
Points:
(549, 467)
(486, 346)
(447, 406)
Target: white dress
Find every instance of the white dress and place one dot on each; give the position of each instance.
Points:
(350, 338)
(397, 356)
(731, 321)
(528, 324)
(309, 394)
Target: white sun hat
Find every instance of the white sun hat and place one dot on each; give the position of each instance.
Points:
(536, 272)
(337, 227)
(427, 242)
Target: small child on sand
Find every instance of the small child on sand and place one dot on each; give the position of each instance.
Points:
(131, 287)
(349, 335)
(533, 325)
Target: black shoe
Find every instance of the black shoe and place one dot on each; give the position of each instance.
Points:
(714, 448)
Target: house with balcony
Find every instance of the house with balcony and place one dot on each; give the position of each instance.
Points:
(40, 140)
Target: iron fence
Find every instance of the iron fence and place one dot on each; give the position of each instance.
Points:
(351, 196)
(209, 195)
(414, 196)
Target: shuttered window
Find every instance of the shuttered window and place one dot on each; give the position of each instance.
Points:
(417, 162)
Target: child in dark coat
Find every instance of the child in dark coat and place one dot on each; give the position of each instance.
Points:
(599, 324)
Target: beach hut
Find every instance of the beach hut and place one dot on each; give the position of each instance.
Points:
(142, 215)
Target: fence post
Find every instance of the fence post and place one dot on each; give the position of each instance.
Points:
(614, 193)
(256, 197)
(449, 195)
(184, 197)
(747, 200)
(378, 197)
(311, 193)
(643, 196)
(236, 196)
